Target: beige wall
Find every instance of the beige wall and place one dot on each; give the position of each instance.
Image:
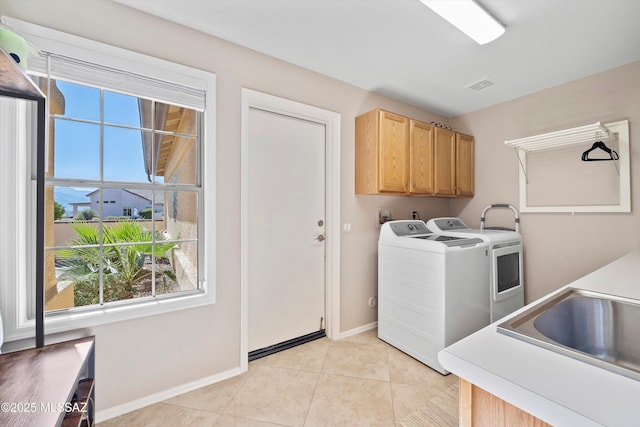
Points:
(141, 357)
(558, 247)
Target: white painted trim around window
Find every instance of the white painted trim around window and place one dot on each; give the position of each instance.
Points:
(68, 45)
(13, 218)
(17, 327)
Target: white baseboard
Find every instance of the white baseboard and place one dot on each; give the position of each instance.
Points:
(118, 410)
(357, 330)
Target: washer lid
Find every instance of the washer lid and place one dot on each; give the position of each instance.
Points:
(451, 240)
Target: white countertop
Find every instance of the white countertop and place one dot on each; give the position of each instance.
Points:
(559, 390)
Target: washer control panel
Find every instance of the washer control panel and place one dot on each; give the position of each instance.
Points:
(409, 228)
(447, 224)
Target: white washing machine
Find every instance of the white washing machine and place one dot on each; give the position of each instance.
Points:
(432, 290)
(505, 270)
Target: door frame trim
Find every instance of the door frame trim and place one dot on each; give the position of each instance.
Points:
(331, 120)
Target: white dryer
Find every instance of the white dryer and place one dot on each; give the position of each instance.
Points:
(433, 290)
(506, 279)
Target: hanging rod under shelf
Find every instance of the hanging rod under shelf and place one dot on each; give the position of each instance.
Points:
(577, 135)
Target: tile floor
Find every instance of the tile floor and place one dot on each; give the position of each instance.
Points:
(357, 381)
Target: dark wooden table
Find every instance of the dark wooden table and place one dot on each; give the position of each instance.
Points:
(44, 386)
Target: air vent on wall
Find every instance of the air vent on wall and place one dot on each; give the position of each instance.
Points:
(482, 84)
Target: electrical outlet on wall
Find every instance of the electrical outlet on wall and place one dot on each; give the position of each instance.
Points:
(384, 215)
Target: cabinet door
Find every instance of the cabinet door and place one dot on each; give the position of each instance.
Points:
(393, 153)
(421, 158)
(464, 165)
(366, 151)
(444, 150)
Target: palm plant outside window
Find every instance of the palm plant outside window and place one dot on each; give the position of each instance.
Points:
(126, 170)
(128, 202)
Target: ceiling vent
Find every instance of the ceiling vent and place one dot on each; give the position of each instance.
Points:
(482, 84)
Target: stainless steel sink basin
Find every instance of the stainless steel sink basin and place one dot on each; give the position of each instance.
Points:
(597, 328)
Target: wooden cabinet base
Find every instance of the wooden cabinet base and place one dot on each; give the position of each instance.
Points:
(480, 408)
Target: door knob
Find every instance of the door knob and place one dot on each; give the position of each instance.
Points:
(320, 238)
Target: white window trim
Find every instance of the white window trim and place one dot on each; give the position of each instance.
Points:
(16, 325)
(14, 220)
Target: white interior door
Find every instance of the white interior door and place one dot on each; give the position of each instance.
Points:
(286, 227)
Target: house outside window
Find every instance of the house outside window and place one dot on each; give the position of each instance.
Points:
(122, 142)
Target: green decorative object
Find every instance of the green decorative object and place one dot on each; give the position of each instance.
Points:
(14, 46)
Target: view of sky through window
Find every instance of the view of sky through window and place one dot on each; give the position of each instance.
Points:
(77, 151)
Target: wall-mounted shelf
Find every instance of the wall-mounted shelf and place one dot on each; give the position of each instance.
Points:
(538, 162)
(562, 138)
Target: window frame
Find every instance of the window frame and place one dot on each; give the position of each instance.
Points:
(14, 303)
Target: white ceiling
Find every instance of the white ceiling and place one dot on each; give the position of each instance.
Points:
(401, 49)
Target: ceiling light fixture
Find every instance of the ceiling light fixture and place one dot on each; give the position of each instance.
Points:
(469, 17)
